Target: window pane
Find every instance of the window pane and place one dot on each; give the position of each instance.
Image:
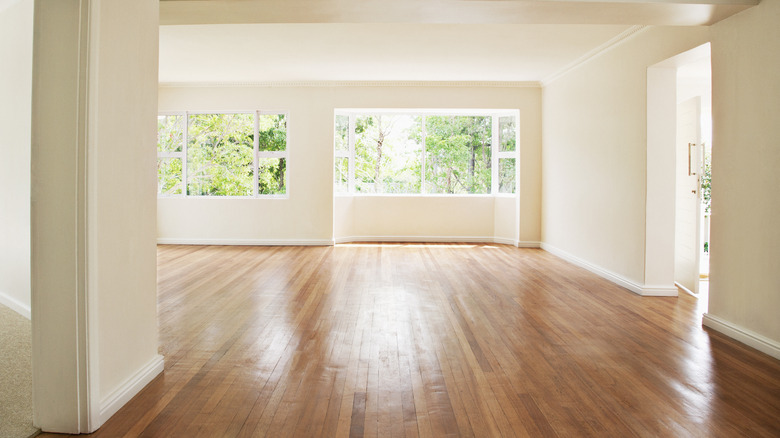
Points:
(341, 133)
(506, 175)
(271, 178)
(458, 154)
(273, 132)
(507, 132)
(169, 177)
(387, 154)
(341, 174)
(220, 154)
(170, 133)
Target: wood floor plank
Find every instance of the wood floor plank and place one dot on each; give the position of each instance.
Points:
(433, 340)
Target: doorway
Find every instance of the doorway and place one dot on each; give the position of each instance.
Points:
(692, 172)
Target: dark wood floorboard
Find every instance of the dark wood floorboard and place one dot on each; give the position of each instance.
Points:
(419, 340)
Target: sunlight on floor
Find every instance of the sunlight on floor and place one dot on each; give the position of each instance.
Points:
(703, 297)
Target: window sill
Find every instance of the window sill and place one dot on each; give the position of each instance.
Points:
(227, 197)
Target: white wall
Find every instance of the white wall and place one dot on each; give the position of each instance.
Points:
(595, 154)
(307, 216)
(16, 35)
(122, 200)
(745, 238)
(420, 218)
(93, 208)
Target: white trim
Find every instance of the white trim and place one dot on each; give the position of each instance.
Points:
(639, 289)
(245, 242)
(110, 404)
(741, 334)
(314, 84)
(659, 291)
(423, 239)
(15, 305)
(419, 239)
(594, 53)
(685, 289)
(505, 241)
(347, 239)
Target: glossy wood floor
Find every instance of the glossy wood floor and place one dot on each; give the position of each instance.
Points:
(431, 341)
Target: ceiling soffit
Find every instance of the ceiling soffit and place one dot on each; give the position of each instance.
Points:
(631, 12)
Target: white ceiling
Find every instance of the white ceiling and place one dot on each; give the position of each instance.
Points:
(232, 41)
(373, 52)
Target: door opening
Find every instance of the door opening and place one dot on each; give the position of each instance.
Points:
(692, 152)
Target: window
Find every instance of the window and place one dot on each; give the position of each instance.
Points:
(222, 154)
(507, 153)
(425, 152)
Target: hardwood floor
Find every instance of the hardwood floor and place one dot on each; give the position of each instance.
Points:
(391, 340)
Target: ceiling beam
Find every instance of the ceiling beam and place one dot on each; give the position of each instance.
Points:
(625, 12)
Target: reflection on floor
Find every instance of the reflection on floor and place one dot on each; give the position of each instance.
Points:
(434, 340)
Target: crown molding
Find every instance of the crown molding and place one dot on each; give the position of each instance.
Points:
(329, 84)
(595, 53)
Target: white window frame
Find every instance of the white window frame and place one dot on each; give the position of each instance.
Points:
(182, 155)
(256, 155)
(272, 154)
(496, 153)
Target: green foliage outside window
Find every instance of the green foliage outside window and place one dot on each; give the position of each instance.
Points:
(387, 157)
(706, 181)
(220, 154)
(342, 174)
(342, 133)
(272, 132)
(506, 175)
(170, 133)
(169, 176)
(271, 176)
(507, 133)
(458, 154)
(436, 154)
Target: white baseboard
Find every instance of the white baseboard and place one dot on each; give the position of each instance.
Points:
(433, 239)
(437, 239)
(659, 291)
(503, 241)
(349, 239)
(247, 242)
(110, 404)
(639, 289)
(15, 305)
(741, 334)
(685, 289)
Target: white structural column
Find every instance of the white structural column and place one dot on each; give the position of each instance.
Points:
(92, 209)
(58, 240)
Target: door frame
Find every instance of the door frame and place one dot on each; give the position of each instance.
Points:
(660, 171)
